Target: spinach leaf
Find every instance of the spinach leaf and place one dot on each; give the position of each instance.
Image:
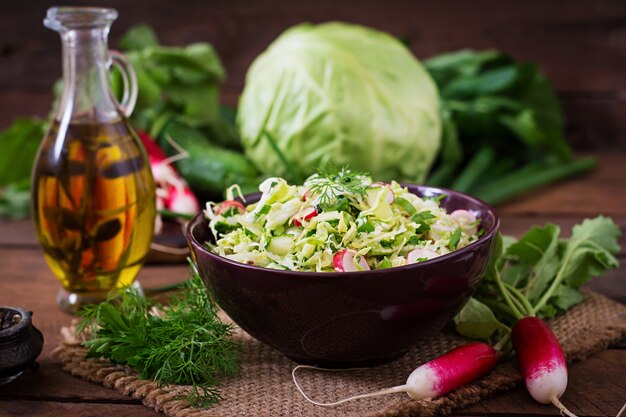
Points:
(15, 200)
(18, 149)
(499, 116)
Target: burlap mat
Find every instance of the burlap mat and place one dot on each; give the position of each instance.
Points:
(265, 387)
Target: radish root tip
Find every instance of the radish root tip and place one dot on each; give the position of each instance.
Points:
(564, 411)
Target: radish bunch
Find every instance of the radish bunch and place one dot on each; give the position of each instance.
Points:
(541, 361)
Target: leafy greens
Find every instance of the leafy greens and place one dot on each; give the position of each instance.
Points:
(503, 129)
(539, 274)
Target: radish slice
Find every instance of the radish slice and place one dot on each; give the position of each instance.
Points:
(541, 361)
(227, 204)
(306, 214)
(435, 378)
(466, 220)
(391, 197)
(416, 254)
(306, 195)
(343, 261)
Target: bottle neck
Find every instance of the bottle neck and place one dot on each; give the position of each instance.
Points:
(87, 96)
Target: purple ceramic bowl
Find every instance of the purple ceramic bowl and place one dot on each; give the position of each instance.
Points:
(352, 318)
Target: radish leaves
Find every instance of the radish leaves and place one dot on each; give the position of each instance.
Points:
(541, 272)
(477, 321)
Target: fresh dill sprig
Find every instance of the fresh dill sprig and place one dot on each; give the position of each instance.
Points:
(182, 343)
(329, 186)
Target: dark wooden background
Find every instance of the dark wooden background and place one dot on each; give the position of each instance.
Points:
(581, 45)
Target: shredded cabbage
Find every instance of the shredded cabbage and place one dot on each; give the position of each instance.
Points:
(299, 228)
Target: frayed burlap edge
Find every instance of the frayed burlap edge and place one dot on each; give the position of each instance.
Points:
(600, 320)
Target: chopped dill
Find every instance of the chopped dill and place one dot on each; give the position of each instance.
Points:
(329, 186)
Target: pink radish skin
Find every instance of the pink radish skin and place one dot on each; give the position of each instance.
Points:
(182, 201)
(172, 190)
(416, 254)
(541, 361)
(451, 370)
(226, 204)
(437, 377)
(306, 214)
(343, 261)
(466, 220)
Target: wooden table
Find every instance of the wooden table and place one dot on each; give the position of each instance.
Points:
(597, 386)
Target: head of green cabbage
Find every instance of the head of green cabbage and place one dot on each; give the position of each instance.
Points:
(340, 94)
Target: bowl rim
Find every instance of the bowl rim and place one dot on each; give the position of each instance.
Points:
(200, 217)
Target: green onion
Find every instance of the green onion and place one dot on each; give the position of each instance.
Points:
(406, 205)
(522, 181)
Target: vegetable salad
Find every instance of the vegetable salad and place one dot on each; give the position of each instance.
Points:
(339, 221)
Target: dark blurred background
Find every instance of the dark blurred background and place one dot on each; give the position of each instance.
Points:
(580, 45)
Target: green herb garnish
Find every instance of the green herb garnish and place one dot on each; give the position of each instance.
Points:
(424, 218)
(406, 205)
(366, 227)
(330, 186)
(183, 343)
(455, 238)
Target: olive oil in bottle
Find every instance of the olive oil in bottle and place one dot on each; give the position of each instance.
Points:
(93, 195)
(94, 207)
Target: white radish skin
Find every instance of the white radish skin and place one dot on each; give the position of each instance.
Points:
(548, 385)
(466, 221)
(343, 261)
(420, 384)
(183, 201)
(416, 254)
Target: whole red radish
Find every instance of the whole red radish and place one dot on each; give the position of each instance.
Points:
(436, 377)
(454, 369)
(541, 361)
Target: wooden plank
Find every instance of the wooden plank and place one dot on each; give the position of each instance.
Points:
(240, 31)
(17, 233)
(28, 282)
(592, 123)
(596, 388)
(601, 192)
(51, 383)
(56, 409)
(533, 30)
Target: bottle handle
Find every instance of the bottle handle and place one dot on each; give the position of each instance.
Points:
(129, 78)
